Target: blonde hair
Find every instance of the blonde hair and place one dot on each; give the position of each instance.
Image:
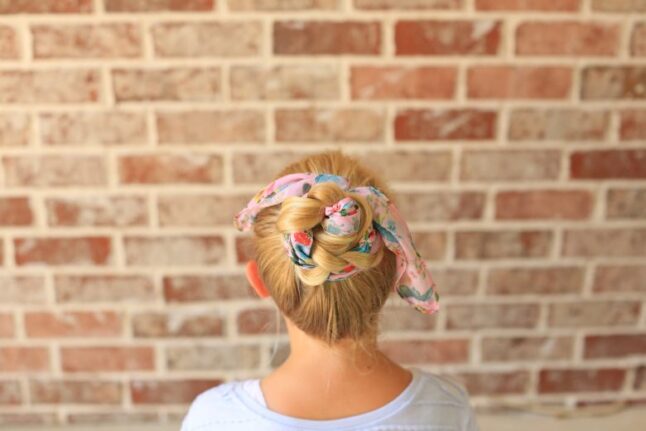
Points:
(328, 310)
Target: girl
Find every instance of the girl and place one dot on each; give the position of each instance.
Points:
(330, 247)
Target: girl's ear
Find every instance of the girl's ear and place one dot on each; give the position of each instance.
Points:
(254, 279)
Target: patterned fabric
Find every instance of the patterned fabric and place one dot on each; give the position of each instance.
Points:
(413, 281)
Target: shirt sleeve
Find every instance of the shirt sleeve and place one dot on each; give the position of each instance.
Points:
(471, 423)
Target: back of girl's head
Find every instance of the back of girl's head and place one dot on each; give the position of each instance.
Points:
(328, 310)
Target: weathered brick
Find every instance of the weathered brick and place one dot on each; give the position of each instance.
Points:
(503, 244)
(227, 357)
(604, 242)
(16, 211)
(43, 324)
(549, 204)
(198, 288)
(640, 378)
(177, 323)
(619, 5)
(326, 38)
(260, 168)
(167, 84)
(567, 38)
(558, 125)
(399, 318)
(115, 40)
(285, 82)
(119, 417)
(431, 245)
(452, 124)
(552, 381)
(97, 211)
(158, 5)
(9, 43)
(457, 37)
(59, 85)
(244, 249)
(606, 164)
(15, 129)
(22, 419)
(7, 327)
(174, 250)
(613, 83)
(210, 126)
(409, 165)
(104, 288)
(99, 358)
(586, 314)
(57, 391)
(638, 40)
(10, 392)
(441, 206)
(614, 346)
(55, 171)
(258, 321)
(427, 351)
(20, 359)
(336, 125)
(81, 251)
(529, 348)
(456, 281)
(513, 165)
(519, 82)
(22, 289)
(528, 5)
(272, 5)
(160, 168)
(207, 39)
(199, 209)
(171, 391)
(45, 6)
(632, 125)
(481, 316)
(93, 128)
(620, 278)
(495, 382)
(535, 281)
(626, 204)
(399, 82)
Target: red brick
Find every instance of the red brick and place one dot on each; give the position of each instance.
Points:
(75, 392)
(614, 346)
(104, 288)
(6, 325)
(98, 358)
(399, 318)
(640, 378)
(174, 250)
(567, 38)
(59, 85)
(260, 168)
(15, 211)
(177, 324)
(495, 383)
(199, 209)
(55, 171)
(158, 5)
(613, 83)
(271, 5)
(285, 82)
(10, 392)
(42, 324)
(558, 125)
(457, 37)
(544, 204)
(258, 321)
(81, 251)
(632, 125)
(618, 5)
(184, 168)
(431, 245)
(210, 126)
(198, 288)
(46, 6)
(228, 357)
(503, 244)
(119, 211)
(119, 417)
(620, 278)
(9, 43)
(453, 124)
(535, 281)
(604, 242)
(481, 316)
(586, 314)
(408, 4)
(17, 359)
(335, 125)
(15, 129)
(554, 381)
(638, 40)
(606, 164)
(409, 165)
(397, 82)
(441, 206)
(326, 38)
(118, 40)
(22, 289)
(427, 351)
(46, 418)
(519, 82)
(530, 348)
(456, 282)
(167, 84)
(626, 204)
(207, 39)
(169, 391)
(94, 128)
(529, 5)
(244, 249)
(511, 165)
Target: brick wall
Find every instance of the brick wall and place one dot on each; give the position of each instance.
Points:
(131, 131)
